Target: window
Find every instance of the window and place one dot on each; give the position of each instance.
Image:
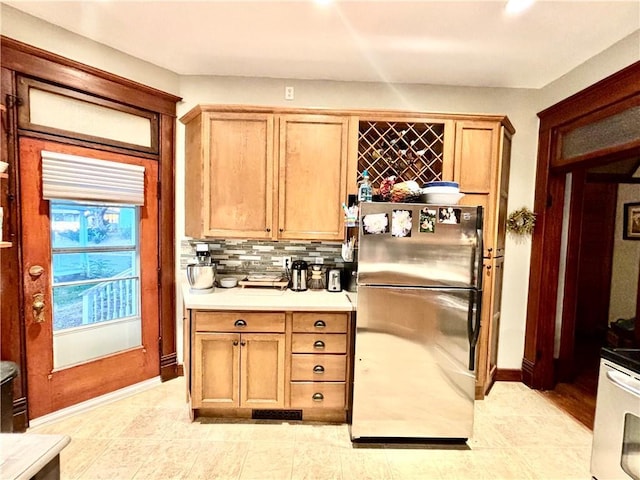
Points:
(96, 278)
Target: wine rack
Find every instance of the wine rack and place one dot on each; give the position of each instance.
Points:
(407, 150)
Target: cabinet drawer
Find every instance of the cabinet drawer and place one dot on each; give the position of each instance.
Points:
(320, 322)
(239, 322)
(318, 343)
(318, 368)
(317, 395)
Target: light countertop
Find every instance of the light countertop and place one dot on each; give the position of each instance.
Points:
(23, 455)
(264, 298)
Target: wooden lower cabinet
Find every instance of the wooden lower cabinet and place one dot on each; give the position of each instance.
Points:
(241, 362)
(239, 370)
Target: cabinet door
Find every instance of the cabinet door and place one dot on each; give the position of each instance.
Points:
(237, 175)
(476, 154)
(312, 176)
(481, 167)
(262, 366)
(216, 370)
(503, 188)
(490, 325)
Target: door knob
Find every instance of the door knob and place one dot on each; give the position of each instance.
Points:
(38, 307)
(36, 271)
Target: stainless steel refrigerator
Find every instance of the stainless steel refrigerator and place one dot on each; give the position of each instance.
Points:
(418, 321)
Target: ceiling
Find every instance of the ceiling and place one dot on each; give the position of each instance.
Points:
(461, 43)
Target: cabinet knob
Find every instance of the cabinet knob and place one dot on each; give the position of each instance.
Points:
(268, 229)
(320, 324)
(243, 343)
(318, 397)
(282, 230)
(318, 369)
(235, 343)
(240, 323)
(318, 344)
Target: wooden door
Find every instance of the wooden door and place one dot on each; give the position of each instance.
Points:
(216, 364)
(312, 160)
(262, 374)
(52, 388)
(229, 176)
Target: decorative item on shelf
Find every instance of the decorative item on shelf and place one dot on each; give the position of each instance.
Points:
(3, 166)
(405, 192)
(386, 186)
(350, 215)
(521, 222)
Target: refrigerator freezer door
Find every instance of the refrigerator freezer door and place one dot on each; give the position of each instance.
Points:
(411, 375)
(420, 245)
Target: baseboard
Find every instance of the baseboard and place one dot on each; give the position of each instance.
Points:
(95, 402)
(508, 375)
(180, 370)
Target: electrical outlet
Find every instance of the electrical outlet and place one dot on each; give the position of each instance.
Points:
(288, 93)
(318, 260)
(286, 262)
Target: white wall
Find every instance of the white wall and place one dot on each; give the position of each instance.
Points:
(626, 259)
(33, 31)
(520, 105)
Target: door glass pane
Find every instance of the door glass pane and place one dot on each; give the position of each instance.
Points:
(78, 225)
(96, 280)
(93, 265)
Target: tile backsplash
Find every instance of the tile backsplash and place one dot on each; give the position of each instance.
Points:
(250, 256)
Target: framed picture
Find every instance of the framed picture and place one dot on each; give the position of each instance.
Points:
(631, 221)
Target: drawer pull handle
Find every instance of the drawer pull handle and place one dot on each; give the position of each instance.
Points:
(318, 344)
(317, 397)
(320, 324)
(240, 323)
(318, 369)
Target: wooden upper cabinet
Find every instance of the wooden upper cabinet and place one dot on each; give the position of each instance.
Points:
(312, 161)
(476, 155)
(481, 167)
(265, 175)
(229, 175)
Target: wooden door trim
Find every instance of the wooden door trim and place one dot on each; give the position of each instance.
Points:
(20, 58)
(537, 362)
(54, 68)
(565, 358)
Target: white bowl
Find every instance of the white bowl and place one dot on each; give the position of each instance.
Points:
(228, 282)
(442, 198)
(3, 167)
(441, 187)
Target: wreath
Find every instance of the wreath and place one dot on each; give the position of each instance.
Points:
(521, 222)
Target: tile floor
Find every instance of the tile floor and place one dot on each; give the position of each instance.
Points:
(518, 434)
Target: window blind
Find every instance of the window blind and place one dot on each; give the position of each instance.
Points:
(71, 177)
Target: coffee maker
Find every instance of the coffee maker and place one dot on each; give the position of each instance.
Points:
(334, 280)
(298, 282)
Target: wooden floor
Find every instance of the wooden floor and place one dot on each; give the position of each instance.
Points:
(578, 398)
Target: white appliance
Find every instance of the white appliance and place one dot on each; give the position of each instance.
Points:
(615, 453)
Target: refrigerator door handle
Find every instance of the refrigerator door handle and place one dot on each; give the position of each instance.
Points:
(480, 249)
(473, 326)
